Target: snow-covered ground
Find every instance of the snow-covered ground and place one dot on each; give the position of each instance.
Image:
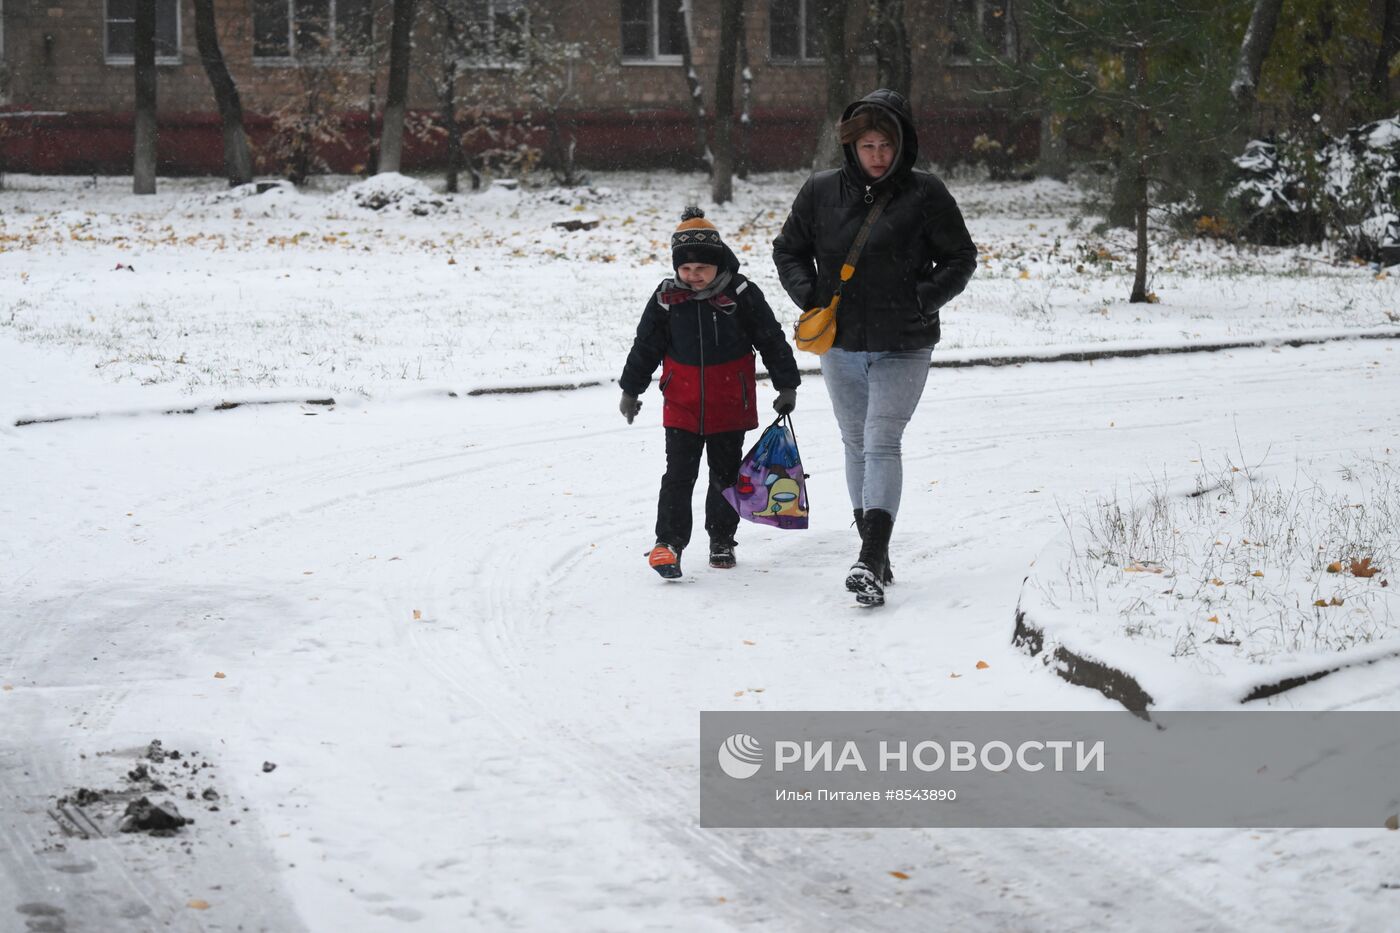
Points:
(433, 615)
(196, 295)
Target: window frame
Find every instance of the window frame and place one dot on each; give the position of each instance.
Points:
(500, 64)
(804, 56)
(654, 56)
(130, 60)
(292, 57)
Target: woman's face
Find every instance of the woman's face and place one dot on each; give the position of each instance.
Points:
(875, 152)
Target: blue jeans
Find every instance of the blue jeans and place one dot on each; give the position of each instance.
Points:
(873, 395)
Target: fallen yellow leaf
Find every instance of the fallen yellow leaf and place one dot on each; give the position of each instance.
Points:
(982, 665)
(198, 904)
(1257, 573)
(1217, 581)
(738, 693)
(1215, 619)
(1319, 602)
(218, 675)
(1334, 567)
(900, 875)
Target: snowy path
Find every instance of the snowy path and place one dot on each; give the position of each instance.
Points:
(523, 755)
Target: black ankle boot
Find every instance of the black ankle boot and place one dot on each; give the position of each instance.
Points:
(866, 578)
(860, 527)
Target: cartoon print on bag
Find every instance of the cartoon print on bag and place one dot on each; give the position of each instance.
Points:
(784, 496)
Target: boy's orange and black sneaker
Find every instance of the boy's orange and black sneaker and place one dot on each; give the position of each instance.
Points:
(665, 560)
(722, 554)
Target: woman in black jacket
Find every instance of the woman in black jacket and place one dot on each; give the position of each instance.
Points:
(918, 257)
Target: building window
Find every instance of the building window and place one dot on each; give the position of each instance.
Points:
(121, 32)
(653, 30)
(794, 31)
(966, 18)
(285, 29)
(498, 33)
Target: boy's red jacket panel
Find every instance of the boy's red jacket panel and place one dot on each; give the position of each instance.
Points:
(706, 352)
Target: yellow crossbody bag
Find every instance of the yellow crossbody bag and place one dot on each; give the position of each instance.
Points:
(816, 328)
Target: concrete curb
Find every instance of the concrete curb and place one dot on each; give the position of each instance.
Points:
(1122, 687)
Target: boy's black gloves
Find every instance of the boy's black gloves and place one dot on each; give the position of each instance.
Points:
(629, 406)
(786, 401)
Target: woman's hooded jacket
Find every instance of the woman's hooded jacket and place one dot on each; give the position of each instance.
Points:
(918, 257)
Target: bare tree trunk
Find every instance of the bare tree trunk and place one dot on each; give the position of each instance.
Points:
(1139, 293)
(395, 101)
(1315, 65)
(1054, 160)
(745, 97)
(143, 175)
(833, 13)
(447, 101)
(893, 58)
(706, 160)
(238, 161)
(1253, 50)
(722, 184)
(372, 110)
(1390, 45)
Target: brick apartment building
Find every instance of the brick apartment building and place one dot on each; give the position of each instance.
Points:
(66, 75)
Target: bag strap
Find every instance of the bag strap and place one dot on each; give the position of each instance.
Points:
(806, 496)
(848, 268)
(786, 421)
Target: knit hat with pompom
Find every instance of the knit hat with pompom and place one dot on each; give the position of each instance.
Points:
(696, 240)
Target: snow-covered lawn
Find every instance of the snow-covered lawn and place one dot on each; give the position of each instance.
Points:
(200, 295)
(434, 617)
(1245, 577)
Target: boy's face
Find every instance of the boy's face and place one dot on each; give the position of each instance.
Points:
(697, 274)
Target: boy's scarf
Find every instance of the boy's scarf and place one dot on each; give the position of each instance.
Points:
(674, 292)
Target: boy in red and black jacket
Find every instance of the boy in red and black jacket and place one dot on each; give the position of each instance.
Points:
(702, 328)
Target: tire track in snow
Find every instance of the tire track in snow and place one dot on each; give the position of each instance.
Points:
(800, 889)
(611, 771)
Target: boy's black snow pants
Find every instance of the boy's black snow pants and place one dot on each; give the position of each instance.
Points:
(724, 452)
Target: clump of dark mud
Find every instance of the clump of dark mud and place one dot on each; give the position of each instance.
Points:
(82, 797)
(142, 816)
(133, 805)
